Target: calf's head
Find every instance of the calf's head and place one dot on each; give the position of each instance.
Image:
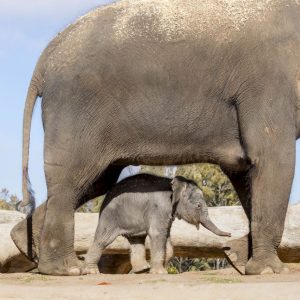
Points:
(190, 205)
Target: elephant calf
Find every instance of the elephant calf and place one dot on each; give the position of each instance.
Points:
(146, 205)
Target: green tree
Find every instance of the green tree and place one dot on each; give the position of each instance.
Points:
(9, 202)
(4, 205)
(92, 206)
(216, 187)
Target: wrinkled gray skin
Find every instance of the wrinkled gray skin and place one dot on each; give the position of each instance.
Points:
(128, 84)
(147, 205)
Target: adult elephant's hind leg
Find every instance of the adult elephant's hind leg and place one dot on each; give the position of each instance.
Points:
(57, 255)
(270, 142)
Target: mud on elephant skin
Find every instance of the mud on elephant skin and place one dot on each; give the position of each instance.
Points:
(144, 205)
(224, 92)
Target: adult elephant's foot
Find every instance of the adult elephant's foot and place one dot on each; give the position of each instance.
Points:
(70, 266)
(270, 265)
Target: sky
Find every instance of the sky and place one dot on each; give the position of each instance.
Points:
(26, 26)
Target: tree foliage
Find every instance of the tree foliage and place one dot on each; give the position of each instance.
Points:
(216, 187)
(92, 206)
(9, 201)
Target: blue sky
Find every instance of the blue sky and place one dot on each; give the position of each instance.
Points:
(26, 26)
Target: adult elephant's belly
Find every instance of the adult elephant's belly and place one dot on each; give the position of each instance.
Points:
(229, 155)
(162, 136)
(156, 128)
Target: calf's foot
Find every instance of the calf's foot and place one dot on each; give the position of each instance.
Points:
(142, 267)
(158, 270)
(92, 269)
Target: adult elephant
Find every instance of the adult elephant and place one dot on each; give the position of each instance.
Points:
(169, 82)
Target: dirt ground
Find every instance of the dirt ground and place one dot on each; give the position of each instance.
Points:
(217, 285)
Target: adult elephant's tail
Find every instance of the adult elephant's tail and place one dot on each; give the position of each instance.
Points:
(28, 194)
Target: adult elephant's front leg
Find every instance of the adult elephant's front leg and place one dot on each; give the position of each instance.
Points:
(271, 149)
(270, 179)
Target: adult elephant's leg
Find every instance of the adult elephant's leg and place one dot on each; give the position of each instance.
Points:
(57, 255)
(240, 250)
(269, 139)
(241, 185)
(271, 180)
(103, 183)
(27, 233)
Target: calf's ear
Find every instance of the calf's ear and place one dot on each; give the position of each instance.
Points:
(179, 190)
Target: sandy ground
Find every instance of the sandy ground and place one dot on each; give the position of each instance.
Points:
(221, 285)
